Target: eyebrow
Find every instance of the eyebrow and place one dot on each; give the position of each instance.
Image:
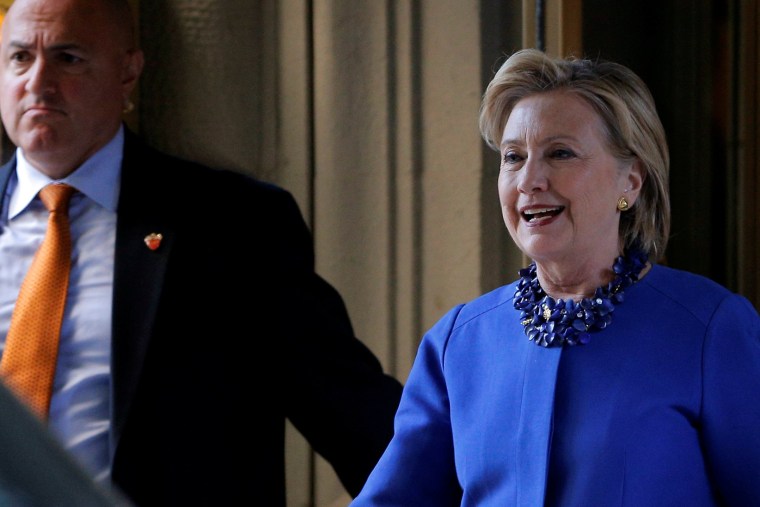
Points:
(509, 141)
(65, 46)
(550, 139)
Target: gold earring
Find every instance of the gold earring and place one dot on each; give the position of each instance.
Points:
(622, 204)
(128, 107)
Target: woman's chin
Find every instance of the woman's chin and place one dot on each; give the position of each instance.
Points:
(543, 248)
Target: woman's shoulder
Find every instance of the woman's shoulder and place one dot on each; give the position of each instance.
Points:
(694, 293)
(680, 283)
(483, 306)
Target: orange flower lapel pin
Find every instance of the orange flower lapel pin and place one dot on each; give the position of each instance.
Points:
(153, 240)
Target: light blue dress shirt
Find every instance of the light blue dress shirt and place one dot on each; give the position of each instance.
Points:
(80, 407)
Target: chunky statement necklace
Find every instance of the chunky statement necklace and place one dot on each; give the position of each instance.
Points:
(553, 323)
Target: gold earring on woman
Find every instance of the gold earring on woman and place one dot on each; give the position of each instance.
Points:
(128, 107)
(622, 204)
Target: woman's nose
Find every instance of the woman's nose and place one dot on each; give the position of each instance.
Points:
(533, 177)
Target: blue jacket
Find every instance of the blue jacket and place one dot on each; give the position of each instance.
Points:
(662, 408)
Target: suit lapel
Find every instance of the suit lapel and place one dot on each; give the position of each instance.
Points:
(138, 274)
(5, 176)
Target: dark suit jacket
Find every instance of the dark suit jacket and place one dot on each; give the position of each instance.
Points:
(221, 334)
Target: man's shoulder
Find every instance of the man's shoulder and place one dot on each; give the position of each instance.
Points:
(153, 167)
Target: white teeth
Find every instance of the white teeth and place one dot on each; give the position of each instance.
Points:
(539, 210)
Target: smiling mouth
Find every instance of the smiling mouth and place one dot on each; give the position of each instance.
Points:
(537, 214)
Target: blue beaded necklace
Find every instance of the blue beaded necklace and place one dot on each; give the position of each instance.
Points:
(553, 323)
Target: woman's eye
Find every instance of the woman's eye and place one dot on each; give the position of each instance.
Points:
(562, 154)
(510, 157)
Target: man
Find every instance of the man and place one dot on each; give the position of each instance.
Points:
(194, 322)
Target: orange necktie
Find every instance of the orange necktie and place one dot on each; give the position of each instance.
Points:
(31, 347)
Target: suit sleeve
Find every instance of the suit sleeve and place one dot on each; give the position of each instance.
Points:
(337, 394)
(417, 468)
(731, 402)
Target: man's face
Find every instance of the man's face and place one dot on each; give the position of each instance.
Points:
(66, 71)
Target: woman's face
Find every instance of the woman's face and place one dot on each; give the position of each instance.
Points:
(559, 184)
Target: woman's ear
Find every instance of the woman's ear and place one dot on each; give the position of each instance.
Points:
(634, 181)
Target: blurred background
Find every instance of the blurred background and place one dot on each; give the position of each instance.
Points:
(366, 110)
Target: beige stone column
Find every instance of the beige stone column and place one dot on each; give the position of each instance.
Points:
(398, 168)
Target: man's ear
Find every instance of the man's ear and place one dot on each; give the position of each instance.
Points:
(133, 66)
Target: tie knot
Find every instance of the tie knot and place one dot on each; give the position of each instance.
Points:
(56, 197)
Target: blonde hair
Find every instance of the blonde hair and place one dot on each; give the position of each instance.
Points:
(629, 116)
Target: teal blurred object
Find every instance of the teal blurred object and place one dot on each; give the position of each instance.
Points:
(35, 471)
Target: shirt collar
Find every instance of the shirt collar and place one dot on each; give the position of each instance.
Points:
(98, 177)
